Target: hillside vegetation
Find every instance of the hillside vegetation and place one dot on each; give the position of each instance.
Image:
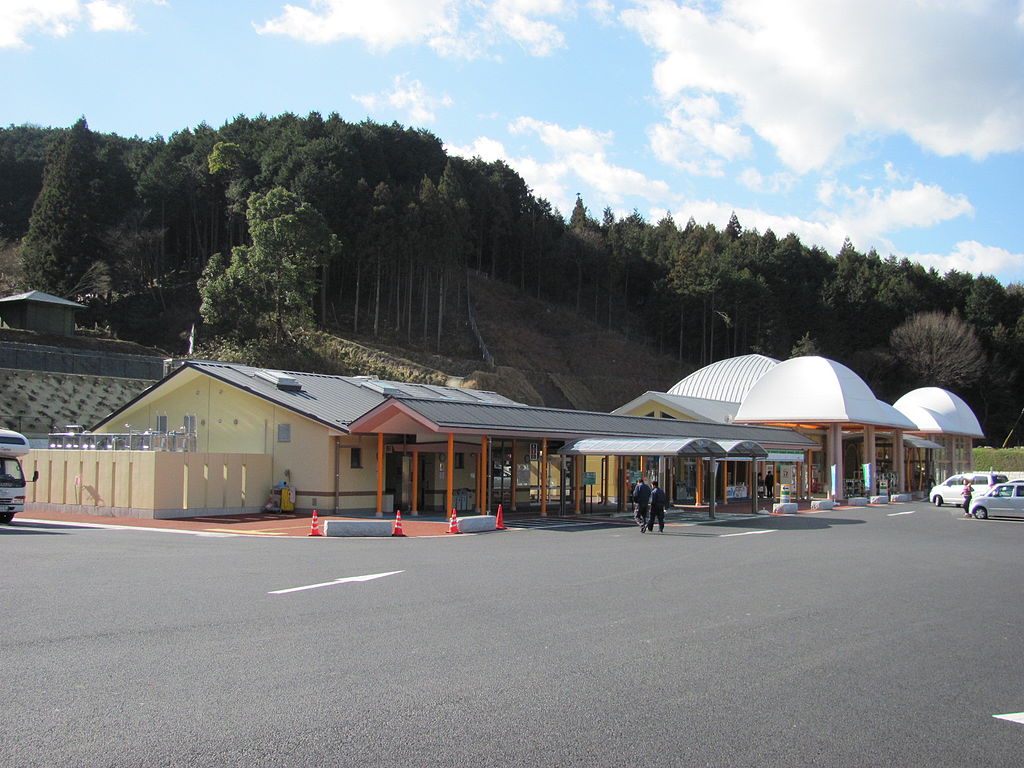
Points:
(271, 235)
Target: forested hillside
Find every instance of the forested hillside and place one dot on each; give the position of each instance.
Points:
(267, 225)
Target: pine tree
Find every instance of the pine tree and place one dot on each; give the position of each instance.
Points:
(63, 239)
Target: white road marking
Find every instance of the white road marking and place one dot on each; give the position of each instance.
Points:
(108, 527)
(894, 514)
(345, 580)
(745, 533)
(1015, 717)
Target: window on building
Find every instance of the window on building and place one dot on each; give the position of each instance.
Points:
(284, 433)
(190, 422)
(357, 458)
(161, 423)
(460, 461)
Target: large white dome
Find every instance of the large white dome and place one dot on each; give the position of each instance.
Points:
(816, 389)
(727, 380)
(939, 411)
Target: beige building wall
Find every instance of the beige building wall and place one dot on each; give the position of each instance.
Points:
(146, 484)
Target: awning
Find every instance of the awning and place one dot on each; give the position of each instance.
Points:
(920, 442)
(602, 446)
(746, 448)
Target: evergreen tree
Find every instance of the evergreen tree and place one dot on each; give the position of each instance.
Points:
(63, 241)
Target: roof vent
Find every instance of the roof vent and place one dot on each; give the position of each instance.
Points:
(280, 380)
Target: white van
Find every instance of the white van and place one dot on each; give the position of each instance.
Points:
(952, 490)
(13, 445)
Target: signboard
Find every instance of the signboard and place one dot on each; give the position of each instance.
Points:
(867, 476)
(590, 478)
(534, 451)
(794, 457)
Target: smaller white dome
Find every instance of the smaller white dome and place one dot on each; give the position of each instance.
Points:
(939, 411)
(815, 389)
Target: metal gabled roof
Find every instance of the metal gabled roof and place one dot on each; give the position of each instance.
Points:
(553, 422)
(334, 401)
(43, 298)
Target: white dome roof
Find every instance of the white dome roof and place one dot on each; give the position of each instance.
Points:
(727, 380)
(939, 411)
(816, 389)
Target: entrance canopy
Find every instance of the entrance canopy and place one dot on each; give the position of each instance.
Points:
(609, 446)
(920, 442)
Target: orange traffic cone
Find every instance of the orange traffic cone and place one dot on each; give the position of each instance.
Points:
(397, 530)
(314, 528)
(500, 524)
(453, 525)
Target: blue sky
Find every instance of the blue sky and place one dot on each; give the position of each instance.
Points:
(896, 123)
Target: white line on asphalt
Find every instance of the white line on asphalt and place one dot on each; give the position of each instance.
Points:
(745, 533)
(107, 527)
(368, 577)
(893, 514)
(1015, 717)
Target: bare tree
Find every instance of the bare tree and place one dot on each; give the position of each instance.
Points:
(938, 350)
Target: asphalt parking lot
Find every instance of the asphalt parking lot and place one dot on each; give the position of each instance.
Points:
(862, 636)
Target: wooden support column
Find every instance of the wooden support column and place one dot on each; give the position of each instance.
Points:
(380, 474)
(449, 475)
(414, 502)
(700, 481)
(544, 477)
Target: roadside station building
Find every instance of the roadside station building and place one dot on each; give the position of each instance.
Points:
(216, 438)
(874, 448)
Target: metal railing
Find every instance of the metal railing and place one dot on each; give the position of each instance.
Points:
(149, 440)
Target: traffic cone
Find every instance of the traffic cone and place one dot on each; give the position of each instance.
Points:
(453, 524)
(314, 528)
(500, 524)
(397, 530)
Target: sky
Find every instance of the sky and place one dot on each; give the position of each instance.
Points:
(898, 124)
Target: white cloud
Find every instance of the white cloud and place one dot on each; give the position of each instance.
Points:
(20, 19)
(408, 96)
(455, 28)
(105, 16)
(773, 184)
(807, 76)
(971, 256)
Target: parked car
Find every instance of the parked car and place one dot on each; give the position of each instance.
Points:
(951, 491)
(1004, 500)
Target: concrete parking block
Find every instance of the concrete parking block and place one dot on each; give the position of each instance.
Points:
(822, 504)
(857, 501)
(880, 499)
(357, 528)
(478, 523)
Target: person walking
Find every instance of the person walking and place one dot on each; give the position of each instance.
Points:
(968, 494)
(658, 503)
(769, 485)
(641, 497)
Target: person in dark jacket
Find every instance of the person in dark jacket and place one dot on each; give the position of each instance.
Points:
(769, 486)
(642, 497)
(658, 503)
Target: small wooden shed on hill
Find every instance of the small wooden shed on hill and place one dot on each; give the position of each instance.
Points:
(41, 312)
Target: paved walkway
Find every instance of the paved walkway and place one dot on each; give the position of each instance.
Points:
(299, 524)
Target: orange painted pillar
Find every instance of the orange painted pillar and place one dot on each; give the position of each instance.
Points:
(700, 480)
(544, 477)
(414, 503)
(380, 474)
(485, 468)
(450, 472)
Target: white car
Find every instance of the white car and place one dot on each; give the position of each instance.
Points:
(1006, 500)
(951, 491)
